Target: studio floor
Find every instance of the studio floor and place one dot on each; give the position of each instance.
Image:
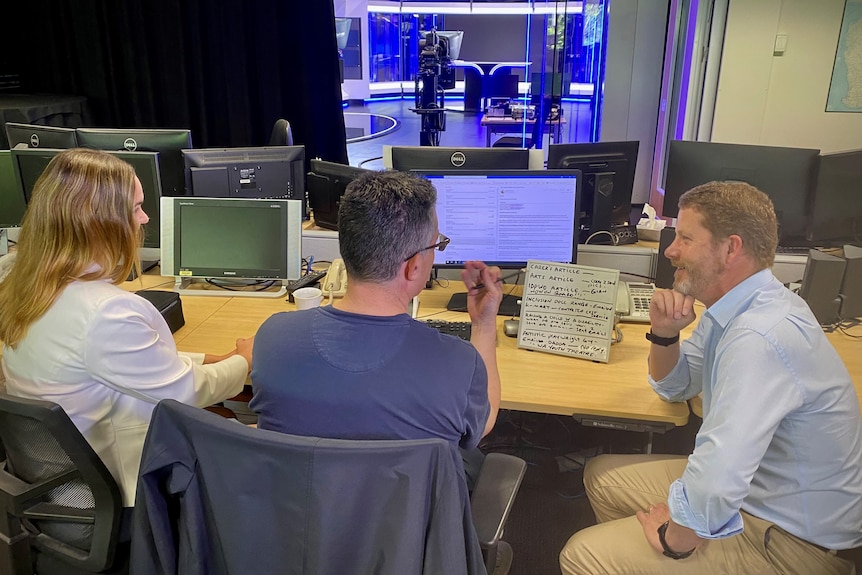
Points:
(462, 129)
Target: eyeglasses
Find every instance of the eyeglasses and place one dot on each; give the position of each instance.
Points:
(440, 245)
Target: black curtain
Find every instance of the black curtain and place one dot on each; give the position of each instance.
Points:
(226, 69)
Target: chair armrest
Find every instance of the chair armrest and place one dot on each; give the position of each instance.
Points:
(494, 494)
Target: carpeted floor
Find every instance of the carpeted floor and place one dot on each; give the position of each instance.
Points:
(551, 505)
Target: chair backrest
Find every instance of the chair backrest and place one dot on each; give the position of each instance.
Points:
(54, 488)
(281, 134)
(254, 501)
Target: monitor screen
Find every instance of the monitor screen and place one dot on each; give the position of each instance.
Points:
(424, 158)
(821, 284)
(507, 218)
(36, 136)
(786, 175)
(851, 284)
(167, 142)
(231, 238)
(12, 204)
(326, 184)
(274, 172)
(29, 163)
(836, 214)
(606, 190)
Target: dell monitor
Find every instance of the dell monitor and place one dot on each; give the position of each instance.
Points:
(851, 284)
(786, 175)
(836, 214)
(425, 158)
(821, 285)
(29, 163)
(231, 239)
(505, 219)
(36, 136)
(272, 172)
(166, 142)
(326, 183)
(606, 191)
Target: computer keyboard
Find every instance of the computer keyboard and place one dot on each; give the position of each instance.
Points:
(460, 329)
(802, 251)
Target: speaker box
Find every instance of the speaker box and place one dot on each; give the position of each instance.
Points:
(664, 269)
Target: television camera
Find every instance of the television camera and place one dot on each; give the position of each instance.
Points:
(435, 74)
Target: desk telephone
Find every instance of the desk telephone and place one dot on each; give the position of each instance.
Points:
(633, 301)
(335, 282)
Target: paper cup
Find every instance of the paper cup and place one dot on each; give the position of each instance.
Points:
(307, 297)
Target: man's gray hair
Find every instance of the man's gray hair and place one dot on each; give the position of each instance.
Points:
(384, 218)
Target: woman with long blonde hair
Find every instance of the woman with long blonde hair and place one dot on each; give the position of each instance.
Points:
(72, 336)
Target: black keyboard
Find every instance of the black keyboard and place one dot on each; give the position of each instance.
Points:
(793, 250)
(460, 329)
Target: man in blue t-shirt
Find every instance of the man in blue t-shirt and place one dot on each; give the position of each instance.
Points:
(363, 368)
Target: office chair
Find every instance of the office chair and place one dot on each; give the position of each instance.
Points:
(60, 507)
(281, 134)
(215, 496)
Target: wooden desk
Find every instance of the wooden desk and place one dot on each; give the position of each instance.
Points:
(613, 394)
(509, 125)
(848, 348)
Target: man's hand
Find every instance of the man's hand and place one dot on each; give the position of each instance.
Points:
(670, 311)
(650, 520)
(677, 537)
(484, 292)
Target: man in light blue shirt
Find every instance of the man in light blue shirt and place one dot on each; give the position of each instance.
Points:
(774, 484)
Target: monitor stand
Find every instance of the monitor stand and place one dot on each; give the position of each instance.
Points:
(510, 305)
(199, 287)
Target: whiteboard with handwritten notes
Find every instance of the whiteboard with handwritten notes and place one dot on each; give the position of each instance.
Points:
(568, 309)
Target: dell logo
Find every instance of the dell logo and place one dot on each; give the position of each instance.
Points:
(34, 140)
(458, 159)
(130, 144)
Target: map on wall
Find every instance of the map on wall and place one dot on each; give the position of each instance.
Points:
(845, 91)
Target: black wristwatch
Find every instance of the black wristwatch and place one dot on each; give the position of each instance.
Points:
(662, 341)
(668, 552)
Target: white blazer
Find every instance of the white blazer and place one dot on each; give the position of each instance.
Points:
(107, 357)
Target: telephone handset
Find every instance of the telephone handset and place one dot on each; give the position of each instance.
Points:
(633, 301)
(335, 282)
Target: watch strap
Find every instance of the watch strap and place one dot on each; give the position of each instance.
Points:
(662, 341)
(667, 551)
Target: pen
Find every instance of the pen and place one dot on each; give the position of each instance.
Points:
(498, 280)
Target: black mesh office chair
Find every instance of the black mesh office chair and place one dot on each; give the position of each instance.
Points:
(254, 501)
(281, 134)
(60, 505)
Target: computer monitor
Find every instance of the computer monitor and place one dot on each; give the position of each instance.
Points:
(29, 163)
(851, 284)
(836, 214)
(821, 285)
(276, 172)
(167, 142)
(424, 158)
(229, 238)
(786, 175)
(606, 191)
(506, 218)
(550, 84)
(326, 183)
(12, 206)
(36, 136)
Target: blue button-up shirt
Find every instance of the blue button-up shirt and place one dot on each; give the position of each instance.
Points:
(781, 435)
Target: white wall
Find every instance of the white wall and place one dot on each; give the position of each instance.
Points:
(781, 100)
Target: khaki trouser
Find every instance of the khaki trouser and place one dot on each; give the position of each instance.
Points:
(620, 485)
